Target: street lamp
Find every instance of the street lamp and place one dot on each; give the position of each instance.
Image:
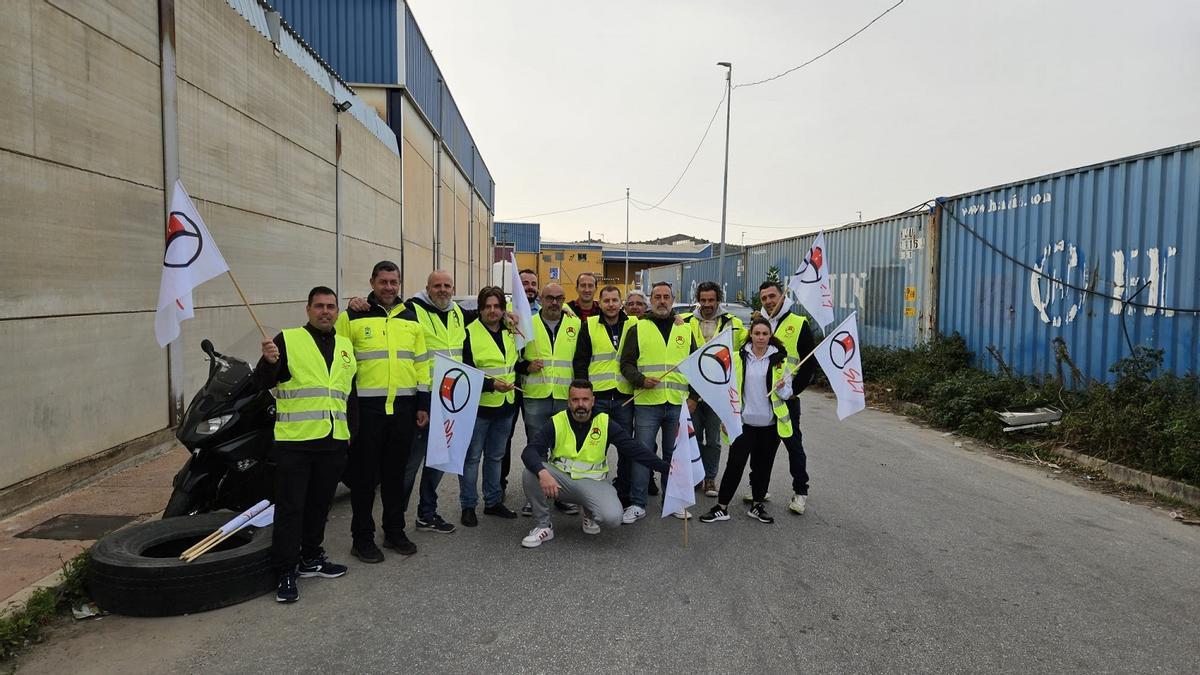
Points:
(725, 188)
(627, 241)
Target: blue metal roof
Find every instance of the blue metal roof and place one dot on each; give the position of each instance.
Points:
(356, 37)
(525, 237)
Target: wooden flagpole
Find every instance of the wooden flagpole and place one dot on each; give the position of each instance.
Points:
(247, 304)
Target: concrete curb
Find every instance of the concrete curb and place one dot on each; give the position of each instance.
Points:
(1147, 481)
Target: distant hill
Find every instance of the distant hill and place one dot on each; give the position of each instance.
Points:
(674, 239)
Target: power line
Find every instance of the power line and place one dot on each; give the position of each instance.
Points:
(710, 220)
(577, 208)
(827, 51)
(694, 153)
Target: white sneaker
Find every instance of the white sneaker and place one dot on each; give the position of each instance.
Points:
(682, 514)
(748, 497)
(536, 536)
(798, 503)
(633, 514)
(589, 525)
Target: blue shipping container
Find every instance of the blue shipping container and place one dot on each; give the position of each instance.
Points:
(1061, 257)
(883, 269)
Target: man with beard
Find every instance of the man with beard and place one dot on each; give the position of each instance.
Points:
(706, 323)
(797, 337)
(652, 349)
(576, 442)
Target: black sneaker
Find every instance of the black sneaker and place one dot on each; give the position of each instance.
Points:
(500, 510)
(321, 567)
(400, 544)
(527, 510)
(367, 552)
(714, 514)
(569, 509)
(759, 513)
(469, 518)
(435, 524)
(287, 591)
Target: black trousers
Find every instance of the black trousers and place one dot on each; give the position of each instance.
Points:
(378, 458)
(759, 445)
(797, 461)
(305, 481)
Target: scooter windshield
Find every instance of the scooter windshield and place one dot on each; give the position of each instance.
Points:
(230, 376)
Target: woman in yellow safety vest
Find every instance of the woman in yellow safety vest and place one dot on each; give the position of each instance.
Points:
(765, 387)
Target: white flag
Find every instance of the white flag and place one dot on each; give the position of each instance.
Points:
(264, 518)
(520, 304)
(190, 259)
(840, 358)
(709, 370)
(240, 521)
(810, 283)
(456, 391)
(686, 467)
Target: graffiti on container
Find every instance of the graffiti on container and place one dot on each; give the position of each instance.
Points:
(849, 287)
(1014, 201)
(1056, 286)
(1126, 281)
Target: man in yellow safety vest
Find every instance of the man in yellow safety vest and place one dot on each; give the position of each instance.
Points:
(566, 460)
(313, 369)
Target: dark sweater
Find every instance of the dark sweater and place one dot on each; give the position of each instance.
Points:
(544, 439)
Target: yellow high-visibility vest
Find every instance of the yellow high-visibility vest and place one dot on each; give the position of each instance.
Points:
(589, 460)
(390, 352)
(656, 357)
(556, 374)
(313, 401)
(605, 369)
(493, 363)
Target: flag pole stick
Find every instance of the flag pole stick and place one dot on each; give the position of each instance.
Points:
(796, 367)
(247, 304)
(493, 377)
(200, 544)
(640, 390)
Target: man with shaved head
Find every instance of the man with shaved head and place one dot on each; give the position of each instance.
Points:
(548, 366)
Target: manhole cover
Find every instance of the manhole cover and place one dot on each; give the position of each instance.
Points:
(82, 526)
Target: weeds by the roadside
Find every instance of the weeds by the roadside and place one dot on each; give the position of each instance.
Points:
(22, 627)
(1144, 419)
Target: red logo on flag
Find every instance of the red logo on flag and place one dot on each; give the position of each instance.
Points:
(184, 242)
(455, 390)
(842, 349)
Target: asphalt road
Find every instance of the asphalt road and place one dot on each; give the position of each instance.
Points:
(914, 555)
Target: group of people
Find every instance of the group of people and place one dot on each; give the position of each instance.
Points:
(598, 371)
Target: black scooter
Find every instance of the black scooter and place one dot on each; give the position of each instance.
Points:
(228, 429)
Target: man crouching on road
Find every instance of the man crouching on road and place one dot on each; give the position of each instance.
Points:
(313, 368)
(577, 443)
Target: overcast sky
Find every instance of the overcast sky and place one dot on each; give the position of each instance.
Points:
(571, 101)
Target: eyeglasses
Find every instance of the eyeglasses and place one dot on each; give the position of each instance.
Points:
(554, 298)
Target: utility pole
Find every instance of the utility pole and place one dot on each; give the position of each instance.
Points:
(626, 241)
(725, 186)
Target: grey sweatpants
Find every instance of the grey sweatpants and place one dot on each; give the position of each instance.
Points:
(597, 497)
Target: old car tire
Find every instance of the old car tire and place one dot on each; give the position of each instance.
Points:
(137, 571)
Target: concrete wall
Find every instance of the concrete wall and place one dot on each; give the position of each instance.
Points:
(81, 180)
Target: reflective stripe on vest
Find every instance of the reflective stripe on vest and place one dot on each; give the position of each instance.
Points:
(586, 460)
(656, 357)
(604, 370)
(445, 338)
(489, 359)
(312, 403)
(557, 372)
(386, 348)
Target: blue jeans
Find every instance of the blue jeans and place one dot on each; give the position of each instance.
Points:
(430, 478)
(708, 436)
(648, 420)
(487, 443)
(623, 416)
(537, 413)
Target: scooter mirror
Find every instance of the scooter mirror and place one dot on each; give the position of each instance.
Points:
(206, 346)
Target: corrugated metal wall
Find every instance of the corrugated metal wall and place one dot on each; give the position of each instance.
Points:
(672, 274)
(1014, 258)
(357, 38)
(527, 237)
(881, 268)
(695, 272)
